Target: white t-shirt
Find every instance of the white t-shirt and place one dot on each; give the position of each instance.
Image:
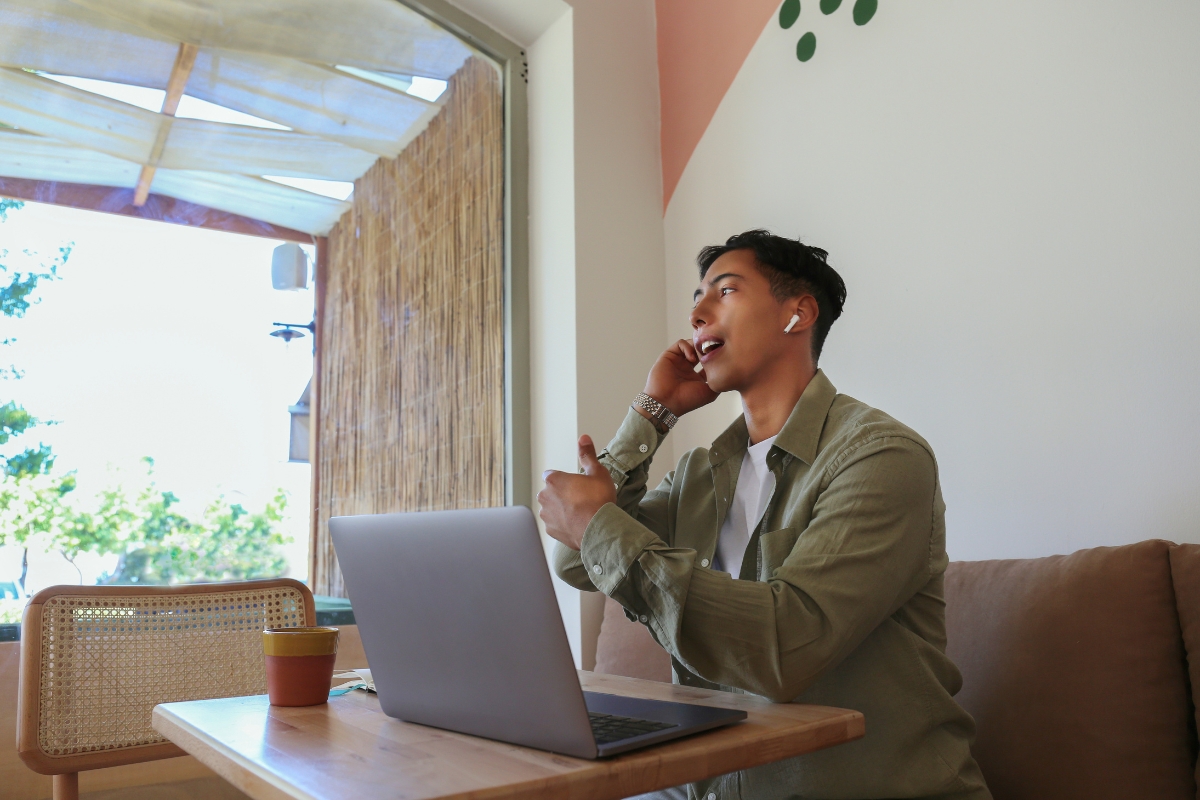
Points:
(755, 484)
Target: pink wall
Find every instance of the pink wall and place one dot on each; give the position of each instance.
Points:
(701, 47)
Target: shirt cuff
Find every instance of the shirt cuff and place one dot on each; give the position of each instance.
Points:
(635, 441)
(611, 543)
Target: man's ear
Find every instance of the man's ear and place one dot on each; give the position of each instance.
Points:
(805, 309)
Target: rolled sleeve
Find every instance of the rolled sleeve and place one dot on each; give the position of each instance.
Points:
(634, 445)
(636, 515)
(629, 563)
(611, 545)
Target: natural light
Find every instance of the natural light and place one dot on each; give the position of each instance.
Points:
(152, 342)
(152, 100)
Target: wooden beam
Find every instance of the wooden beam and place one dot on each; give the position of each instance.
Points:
(114, 200)
(185, 59)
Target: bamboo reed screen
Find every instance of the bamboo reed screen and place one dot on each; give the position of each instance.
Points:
(410, 410)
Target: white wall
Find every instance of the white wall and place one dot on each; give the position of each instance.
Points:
(620, 290)
(521, 21)
(620, 286)
(552, 266)
(597, 288)
(1011, 191)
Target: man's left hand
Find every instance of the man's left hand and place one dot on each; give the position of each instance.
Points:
(569, 501)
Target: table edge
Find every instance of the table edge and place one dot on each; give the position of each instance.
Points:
(166, 723)
(845, 727)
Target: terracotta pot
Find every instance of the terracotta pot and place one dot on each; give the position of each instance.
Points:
(299, 664)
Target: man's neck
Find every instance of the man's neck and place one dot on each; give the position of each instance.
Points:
(768, 404)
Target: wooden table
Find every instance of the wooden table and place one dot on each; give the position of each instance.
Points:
(350, 750)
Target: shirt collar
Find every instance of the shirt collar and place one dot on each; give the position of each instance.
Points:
(799, 436)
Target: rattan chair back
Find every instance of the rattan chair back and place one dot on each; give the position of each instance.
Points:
(95, 660)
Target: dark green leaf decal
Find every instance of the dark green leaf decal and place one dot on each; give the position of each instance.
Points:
(863, 11)
(806, 46)
(789, 12)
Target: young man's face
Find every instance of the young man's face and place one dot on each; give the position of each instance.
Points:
(737, 324)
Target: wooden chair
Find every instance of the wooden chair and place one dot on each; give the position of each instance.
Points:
(95, 660)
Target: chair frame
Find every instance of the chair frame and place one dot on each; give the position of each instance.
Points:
(65, 769)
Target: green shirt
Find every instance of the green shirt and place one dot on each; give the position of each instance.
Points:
(839, 601)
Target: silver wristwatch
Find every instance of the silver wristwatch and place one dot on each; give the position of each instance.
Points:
(655, 409)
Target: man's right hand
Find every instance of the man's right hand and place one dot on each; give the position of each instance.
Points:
(674, 381)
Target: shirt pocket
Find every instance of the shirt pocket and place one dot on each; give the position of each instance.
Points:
(774, 547)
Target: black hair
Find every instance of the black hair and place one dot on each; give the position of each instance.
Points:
(792, 268)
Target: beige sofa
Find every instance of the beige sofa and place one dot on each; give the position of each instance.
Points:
(1075, 668)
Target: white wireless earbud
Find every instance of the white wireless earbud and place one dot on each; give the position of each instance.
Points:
(795, 319)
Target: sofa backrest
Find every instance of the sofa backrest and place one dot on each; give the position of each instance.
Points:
(1074, 670)
(627, 648)
(1185, 574)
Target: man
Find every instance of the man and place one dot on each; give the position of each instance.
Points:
(800, 558)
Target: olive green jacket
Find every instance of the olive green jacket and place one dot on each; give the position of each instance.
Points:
(839, 603)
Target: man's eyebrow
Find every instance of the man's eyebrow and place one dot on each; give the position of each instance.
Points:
(711, 281)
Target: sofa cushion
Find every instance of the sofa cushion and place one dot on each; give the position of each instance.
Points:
(627, 648)
(1073, 669)
(1185, 573)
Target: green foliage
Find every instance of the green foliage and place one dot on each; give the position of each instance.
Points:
(31, 461)
(154, 542)
(7, 205)
(34, 506)
(16, 298)
(11, 611)
(227, 544)
(15, 420)
(158, 545)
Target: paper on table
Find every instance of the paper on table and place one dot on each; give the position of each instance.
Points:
(357, 679)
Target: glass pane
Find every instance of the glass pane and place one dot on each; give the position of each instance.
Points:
(152, 430)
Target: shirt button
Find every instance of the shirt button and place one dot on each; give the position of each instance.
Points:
(596, 568)
(704, 562)
(643, 618)
(643, 448)
(711, 796)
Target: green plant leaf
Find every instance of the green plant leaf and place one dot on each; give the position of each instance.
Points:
(864, 10)
(806, 46)
(789, 12)
(829, 6)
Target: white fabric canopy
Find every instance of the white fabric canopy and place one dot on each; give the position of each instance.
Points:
(253, 197)
(380, 35)
(24, 155)
(312, 98)
(272, 59)
(33, 103)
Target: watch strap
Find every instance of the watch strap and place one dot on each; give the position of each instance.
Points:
(655, 409)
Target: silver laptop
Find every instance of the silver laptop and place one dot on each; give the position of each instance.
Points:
(462, 631)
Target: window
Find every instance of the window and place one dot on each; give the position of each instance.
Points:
(363, 131)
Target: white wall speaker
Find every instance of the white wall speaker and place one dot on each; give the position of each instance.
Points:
(289, 268)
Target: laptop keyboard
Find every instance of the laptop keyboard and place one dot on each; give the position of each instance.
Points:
(608, 728)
